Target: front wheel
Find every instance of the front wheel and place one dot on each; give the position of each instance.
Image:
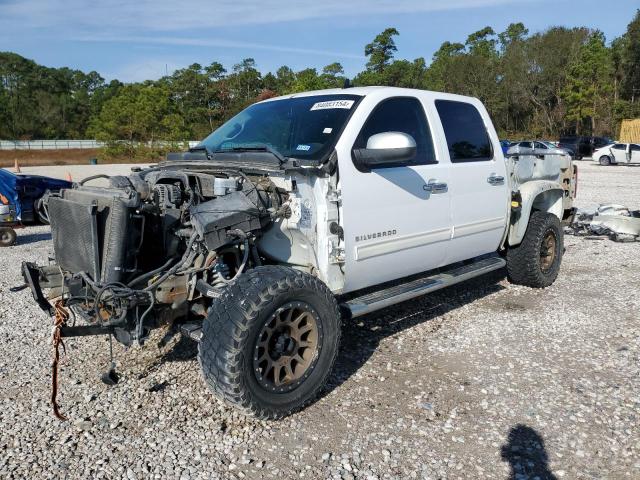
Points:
(270, 341)
(605, 160)
(536, 261)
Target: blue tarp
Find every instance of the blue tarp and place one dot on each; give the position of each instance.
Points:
(9, 184)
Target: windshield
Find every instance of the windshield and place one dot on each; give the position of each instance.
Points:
(303, 127)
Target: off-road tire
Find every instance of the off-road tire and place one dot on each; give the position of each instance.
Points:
(234, 323)
(8, 236)
(524, 264)
(604, 160)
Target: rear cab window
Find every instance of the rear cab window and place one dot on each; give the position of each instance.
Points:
(465, 131)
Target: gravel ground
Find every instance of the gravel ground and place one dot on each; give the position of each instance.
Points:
(481, 380)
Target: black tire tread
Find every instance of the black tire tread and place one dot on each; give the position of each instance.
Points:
(523, 265)
(220, 351)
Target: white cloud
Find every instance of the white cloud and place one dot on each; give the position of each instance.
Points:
(214, 42)
(135, 16)
(141, 70)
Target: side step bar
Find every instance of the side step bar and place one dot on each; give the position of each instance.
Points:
(399, 293)
(192, 330)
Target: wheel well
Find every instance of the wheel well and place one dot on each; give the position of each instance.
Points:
(547, 201)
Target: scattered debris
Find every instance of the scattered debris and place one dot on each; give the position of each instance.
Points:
(617, 222)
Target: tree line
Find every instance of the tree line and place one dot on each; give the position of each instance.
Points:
(544, 84)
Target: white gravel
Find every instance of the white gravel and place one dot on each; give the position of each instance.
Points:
(429, 389)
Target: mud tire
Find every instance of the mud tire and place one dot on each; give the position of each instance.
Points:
(234, 325)
(525, 261)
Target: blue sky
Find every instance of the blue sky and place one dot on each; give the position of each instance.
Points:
(134, 40)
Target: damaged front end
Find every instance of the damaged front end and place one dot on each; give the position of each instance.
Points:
(153, 248)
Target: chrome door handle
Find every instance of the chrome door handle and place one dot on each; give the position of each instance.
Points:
(496, 180)
(435, 186)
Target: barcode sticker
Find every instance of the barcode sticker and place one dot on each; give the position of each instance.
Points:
(346, 104)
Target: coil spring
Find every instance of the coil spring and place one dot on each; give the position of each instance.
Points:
(220, 274)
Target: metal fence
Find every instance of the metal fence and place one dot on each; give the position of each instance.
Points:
(62, 144)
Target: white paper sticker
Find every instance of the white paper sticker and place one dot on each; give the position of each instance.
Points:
(346, 104)
(304, 148)
(327, 130)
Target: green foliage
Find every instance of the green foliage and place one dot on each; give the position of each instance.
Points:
(588, 88)
(630, 60)
(37, 101)
(118, 152)
(543, 84)
(381, 50)
(138, 113)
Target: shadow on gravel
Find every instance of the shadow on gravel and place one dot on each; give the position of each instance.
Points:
(526, 454)
(33, 237)
(362, 336)
(183, 351)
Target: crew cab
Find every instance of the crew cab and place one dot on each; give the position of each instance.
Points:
(297, 213)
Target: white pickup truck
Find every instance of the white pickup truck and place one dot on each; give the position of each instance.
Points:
(298, 212)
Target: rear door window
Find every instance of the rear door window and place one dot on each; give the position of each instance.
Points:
(466, 134)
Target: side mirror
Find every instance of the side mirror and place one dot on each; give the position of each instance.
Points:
(388, 149)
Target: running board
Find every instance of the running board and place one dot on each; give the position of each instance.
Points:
(399, 293)
(192, 330)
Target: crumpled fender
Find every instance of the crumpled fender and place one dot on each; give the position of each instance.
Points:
(543, 195)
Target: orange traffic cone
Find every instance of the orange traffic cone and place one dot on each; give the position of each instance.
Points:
(69, 177)
(16, 166)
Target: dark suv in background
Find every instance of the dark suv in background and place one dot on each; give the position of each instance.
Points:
(579, 146)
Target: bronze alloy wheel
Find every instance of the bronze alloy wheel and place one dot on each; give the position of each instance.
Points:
(272, 354)
(548, 251)
(287, 347)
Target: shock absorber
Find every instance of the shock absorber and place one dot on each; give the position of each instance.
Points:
(220, 275)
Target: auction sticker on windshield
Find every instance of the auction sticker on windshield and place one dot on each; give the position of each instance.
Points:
(346, 104)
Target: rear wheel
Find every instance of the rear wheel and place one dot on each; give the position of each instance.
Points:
(270, 341)
(8, 236)
(605, 160)
(536, 261)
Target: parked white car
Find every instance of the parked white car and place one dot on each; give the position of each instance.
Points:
(617, 153)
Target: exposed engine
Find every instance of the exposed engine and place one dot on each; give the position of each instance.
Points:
(156, 246)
